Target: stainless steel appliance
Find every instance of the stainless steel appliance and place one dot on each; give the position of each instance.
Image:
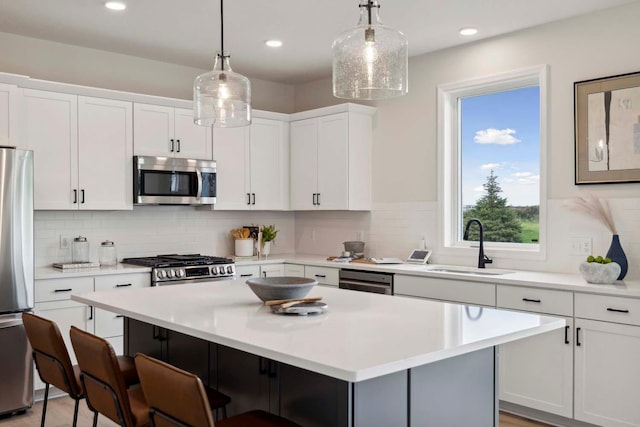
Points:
(366, 281)
(16, 278)
(169, 181)
(179, 269)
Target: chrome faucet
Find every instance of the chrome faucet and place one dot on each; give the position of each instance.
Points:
(482, 258)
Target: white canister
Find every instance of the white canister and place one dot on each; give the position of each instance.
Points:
(108, 253)
(80, 249)
(244, 247)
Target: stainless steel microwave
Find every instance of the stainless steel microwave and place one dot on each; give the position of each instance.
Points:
(170, 181)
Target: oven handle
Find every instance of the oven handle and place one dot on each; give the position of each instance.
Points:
(362, 286)
(199, 175)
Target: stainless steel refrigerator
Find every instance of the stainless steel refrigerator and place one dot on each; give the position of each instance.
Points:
(16, 278)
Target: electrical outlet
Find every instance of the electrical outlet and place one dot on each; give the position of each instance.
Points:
(65, 242)
(360, 236)
(581, 246)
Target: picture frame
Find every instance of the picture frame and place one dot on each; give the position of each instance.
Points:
(607, 129)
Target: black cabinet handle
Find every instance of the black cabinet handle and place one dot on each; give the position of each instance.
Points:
(156, 335)
(82, 198)
(172, 145)
(318, 198)
(273, 369)
(531, 300)
(264, 274)
(63, 290)
(616, 310)
(248, 198)
(75, 196)
(566, 334)
(322, 276)
(119, 316)
(254, 198)
(124, 285)
(90, 312)
(178, 150)
(314, 199)
(262, 366)
(578, 337)
(246, 275)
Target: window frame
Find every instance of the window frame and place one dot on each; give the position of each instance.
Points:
(449, 188)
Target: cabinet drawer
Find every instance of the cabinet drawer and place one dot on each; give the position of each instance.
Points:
(447, 290)
(272, 270)
(324, 275)
(609, 309)
(108, 324)
(536, 300)
(61, 289)
(294, 270)
(247, 271)
(122, 281)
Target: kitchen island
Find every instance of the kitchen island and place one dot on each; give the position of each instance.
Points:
(371, 360)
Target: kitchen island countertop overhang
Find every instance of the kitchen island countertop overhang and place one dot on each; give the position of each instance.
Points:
(362, 335)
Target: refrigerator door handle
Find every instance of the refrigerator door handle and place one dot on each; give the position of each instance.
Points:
(10, 321)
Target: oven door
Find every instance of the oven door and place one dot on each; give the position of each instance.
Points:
(168, 181)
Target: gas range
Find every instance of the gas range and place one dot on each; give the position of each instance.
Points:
(174, 269)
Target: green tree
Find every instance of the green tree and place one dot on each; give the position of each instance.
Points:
(501, 224)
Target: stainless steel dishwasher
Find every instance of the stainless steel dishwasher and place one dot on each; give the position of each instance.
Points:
(366, 281)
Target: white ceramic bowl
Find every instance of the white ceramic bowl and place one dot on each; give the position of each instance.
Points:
(594, 272)
(274, 288)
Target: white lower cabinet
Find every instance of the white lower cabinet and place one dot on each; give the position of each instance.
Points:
(459, 291)
(324, 275)
(272, 270)
(247, 271)
(295, 270)
(607, 350)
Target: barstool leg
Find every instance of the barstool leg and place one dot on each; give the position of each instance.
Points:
(95, 419)
(44, 405)
(224, 412)
(75, 413)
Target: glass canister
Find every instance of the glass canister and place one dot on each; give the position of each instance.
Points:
(80, 249)
(108, 253)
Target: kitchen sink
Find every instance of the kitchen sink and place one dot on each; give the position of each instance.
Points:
(467, 270)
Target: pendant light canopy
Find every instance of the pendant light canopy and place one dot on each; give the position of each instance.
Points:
(221, 97)
(370, 61)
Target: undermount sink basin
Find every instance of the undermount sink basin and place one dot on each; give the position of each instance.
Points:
(467, 270)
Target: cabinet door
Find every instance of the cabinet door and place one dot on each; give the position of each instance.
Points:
(333, 162)
(245, 377)
(324, 275)
(294, 270)
(145, 338)
(231, 153)
(188, 353)
(269, 165)
(537, 372)
(247, 271)
(51, 131)
(192, 141)
(153, 130)
(105, 150)
(8, 110)
(304, 164)
(607, 373)
(272, 270)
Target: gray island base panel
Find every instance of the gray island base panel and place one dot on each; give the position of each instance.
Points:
(368, 358)
(460, 391)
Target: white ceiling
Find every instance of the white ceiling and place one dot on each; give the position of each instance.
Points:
(187, 32)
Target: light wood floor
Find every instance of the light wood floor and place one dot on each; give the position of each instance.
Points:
(60, 414)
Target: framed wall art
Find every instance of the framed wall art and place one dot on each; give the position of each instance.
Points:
(607, 129)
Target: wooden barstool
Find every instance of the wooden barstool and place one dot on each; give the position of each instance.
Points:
(178, 398)
(104, 382)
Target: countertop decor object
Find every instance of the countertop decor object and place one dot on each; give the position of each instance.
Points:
(275, 288)
(222, 97)
(370, 61)
(604, 274)
(617, 255)
(269, 233)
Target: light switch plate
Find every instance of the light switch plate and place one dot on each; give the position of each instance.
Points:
(581, 246)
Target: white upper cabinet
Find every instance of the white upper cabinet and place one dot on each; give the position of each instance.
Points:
(50, 122)
(252, 166)
(82, 149)
(331, 155)
(8, 115)
(105, 154)
(169, 132)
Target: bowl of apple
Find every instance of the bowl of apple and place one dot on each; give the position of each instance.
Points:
(599, 270)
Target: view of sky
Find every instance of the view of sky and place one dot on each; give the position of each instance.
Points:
(501, 132)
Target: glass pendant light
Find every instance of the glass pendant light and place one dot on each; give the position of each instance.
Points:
(370, 61)
(221, 97)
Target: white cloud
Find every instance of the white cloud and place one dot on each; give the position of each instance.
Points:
(508, 180)
(522, 174)
(479, 189)
(490, 166)
(496, 136)
(533, 179)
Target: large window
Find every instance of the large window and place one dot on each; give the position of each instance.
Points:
(492, 143)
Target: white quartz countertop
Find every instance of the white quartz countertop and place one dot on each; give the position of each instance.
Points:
(548, 280)
(55, 273)
(362, 335)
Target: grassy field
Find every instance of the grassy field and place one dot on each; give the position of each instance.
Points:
(530, 232)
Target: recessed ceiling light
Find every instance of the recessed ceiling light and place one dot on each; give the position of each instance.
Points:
(273, 43)
(115, 5)
(469, 31)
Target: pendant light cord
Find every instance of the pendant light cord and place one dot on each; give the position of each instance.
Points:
(222, 55)
(369, 6)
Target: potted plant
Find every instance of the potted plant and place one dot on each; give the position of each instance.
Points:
(269, 234)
